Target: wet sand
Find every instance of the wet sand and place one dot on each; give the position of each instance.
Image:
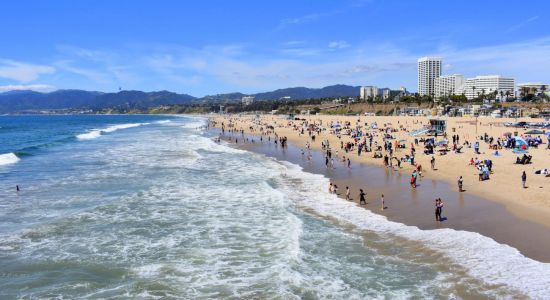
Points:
(415, 207)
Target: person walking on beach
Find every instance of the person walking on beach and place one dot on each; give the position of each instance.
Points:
(349, 164)
(326, 161)
(362, 197)
(432, 162)
(460, 182)
(523, 179)
(382, 202)
(347, 193)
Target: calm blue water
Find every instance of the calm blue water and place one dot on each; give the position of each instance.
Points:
(150, 207)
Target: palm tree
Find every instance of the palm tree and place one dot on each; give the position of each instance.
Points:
(507, 95)
(501, 95)
(474, 91)
(543, 91)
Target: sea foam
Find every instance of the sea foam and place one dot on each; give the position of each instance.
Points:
(95, 133)
(8, 159)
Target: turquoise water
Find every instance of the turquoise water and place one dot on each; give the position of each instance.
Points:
(151, 207)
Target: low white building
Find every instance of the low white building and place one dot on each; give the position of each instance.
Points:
(486, 85)
(448, 85)
(247, 100)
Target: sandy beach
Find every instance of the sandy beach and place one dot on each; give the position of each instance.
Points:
(499, 207)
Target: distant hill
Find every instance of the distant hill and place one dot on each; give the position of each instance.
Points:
(14, 101)
(229, 97)
(17, 101)
(298, 93)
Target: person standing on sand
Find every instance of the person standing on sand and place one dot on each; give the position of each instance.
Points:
(432, 162)
(460, 182)
(362, 197)
(523, 179)
(347, 193)
(382, 202)
(349, 164)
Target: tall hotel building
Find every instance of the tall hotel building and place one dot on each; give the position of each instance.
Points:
(429, 68)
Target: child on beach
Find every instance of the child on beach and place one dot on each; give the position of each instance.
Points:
(460, 182)
(382, 202)
(347, 193)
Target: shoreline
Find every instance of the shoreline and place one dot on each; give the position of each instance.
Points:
(462, 211)
(530, 204)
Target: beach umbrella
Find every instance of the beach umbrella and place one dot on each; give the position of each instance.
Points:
(534, 132)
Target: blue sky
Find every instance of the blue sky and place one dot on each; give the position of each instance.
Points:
(208, 47)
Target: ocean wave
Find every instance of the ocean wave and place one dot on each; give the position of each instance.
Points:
(483, 257)
(95, 133)
(195, 123)
(8, 159)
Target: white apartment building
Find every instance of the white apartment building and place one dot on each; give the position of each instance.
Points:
(448, 85)
(385, 93)
(429, 68)
(479, 85)
(247, 100)
(366, 92)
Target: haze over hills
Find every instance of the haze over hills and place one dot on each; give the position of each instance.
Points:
(17, 101)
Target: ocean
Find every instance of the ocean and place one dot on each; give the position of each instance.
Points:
(151, 207)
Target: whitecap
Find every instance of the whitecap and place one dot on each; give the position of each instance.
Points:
(95, 133)
(8, 158)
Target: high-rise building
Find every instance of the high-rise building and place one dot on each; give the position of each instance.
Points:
(448, 85)
(488, 84)
(429, 68)
(367, 92)
(247, 100)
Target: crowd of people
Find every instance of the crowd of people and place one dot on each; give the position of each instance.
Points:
(381, 142)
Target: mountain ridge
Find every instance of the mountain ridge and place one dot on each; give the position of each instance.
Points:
(22, 100)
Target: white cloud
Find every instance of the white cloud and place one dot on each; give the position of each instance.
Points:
(339, 45)
(22, 87)
(92, 74)
(302, 19)
(522, 24)
(22, 72)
